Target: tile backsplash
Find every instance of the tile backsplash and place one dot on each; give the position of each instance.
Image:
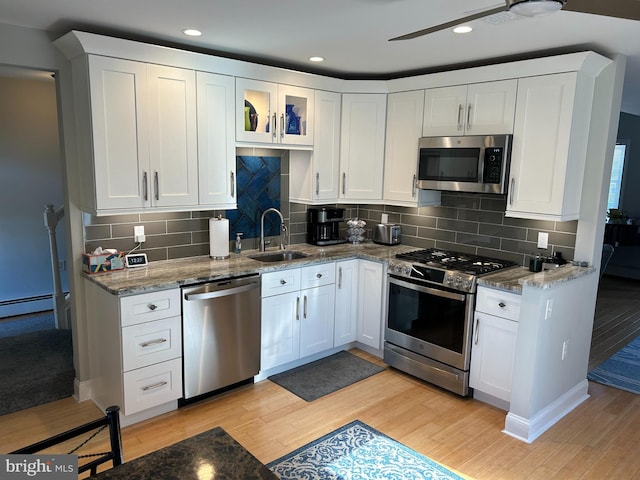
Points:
(472, 223)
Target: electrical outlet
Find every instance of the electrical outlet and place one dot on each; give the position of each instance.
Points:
(384, 218)
(543, 239)
(62, 265)
(138, 233)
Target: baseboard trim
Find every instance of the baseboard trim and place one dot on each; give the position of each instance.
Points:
(527, 430)
(81, 390)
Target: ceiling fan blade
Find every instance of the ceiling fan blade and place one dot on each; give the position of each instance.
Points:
(450, 24)
(629, 9)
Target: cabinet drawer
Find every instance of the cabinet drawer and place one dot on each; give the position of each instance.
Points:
(498, 302)
(318, 275)
(152, 342)
(149, 306)
(283, 281)
(152, 386)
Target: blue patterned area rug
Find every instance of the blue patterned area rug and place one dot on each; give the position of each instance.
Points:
(622, 370)
(358, 452)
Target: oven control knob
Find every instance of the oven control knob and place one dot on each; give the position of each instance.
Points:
(406, 270)
(458, 281)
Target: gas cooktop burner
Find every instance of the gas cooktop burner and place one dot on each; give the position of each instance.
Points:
(463, 262)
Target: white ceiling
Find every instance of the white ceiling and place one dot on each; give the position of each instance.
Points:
(352, 35)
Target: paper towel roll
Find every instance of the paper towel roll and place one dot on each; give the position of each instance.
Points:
(218, 238)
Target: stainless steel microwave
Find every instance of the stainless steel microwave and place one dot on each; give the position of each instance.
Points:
(474, 163)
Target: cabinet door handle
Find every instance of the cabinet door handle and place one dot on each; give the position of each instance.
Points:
(283, 281)
(469, 117)
(233, 184)
(274, 127)
(150, 343)
(317, 183)
(152, 307)
(297, 308)
(502, 304)
(154, 386)
(460, 107)
(475, 341)
(318, 275)
(304, 312)
(513, 187)
(414, 186)
(282, 125)
(344, 182)
(145, 187)
(156, 185)
(340, 278)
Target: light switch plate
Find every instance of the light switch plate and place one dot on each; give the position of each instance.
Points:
(543, 239)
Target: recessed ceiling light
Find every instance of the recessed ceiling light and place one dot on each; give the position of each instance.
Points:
(462, 29)
(192, 32)
(316, 59)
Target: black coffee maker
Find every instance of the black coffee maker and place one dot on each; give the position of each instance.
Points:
(323, 227)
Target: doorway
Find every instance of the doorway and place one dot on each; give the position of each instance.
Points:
(31, 177)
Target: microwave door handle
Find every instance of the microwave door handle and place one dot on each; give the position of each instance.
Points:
(513, 186)
(414, 186)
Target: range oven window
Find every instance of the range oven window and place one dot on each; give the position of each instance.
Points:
(427, 316)
(449, 164)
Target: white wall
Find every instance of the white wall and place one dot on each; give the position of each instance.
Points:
(30, 178)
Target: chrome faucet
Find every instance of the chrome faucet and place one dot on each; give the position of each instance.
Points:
(283, 229)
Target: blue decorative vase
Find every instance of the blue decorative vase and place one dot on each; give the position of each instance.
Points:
(291, 120)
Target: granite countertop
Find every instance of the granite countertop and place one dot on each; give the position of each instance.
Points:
(212, 454)
(513, 279)
(168, 274)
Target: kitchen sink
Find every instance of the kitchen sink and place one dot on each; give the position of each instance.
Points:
(278, 256)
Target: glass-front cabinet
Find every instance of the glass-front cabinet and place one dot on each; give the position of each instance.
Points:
(273, 113)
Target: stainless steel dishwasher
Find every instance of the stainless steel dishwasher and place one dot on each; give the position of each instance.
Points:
(221, 334)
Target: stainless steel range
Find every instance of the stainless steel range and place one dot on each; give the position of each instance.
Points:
(430, 313)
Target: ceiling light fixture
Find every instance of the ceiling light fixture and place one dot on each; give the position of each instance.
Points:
(192, 32)
(462, 29)
(316, 59)
(535, 8)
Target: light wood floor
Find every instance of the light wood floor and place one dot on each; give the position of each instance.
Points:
(597, 440)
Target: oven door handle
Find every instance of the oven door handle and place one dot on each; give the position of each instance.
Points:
(433, 291)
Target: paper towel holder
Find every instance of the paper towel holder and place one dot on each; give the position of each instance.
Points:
(218, 238)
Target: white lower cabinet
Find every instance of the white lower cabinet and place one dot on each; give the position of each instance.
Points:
(297, 313)
(494, 344)
(371, 303)
(346, 314)
(135, 351)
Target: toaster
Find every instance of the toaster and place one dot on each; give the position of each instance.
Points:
(386, 234)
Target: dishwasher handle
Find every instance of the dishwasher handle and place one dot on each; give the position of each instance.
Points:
(222, 291)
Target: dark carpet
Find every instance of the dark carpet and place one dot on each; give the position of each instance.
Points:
(35, 368)
(325, 376)
(27, 323)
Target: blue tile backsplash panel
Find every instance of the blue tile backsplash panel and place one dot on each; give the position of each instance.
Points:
(258, 186)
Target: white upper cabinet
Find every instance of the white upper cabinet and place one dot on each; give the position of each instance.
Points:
(326, 147)
(362, 146)
(173, 136)
(404, 127)
(475, 109)
(549, 146)
(119, 113)
(157, 142)
(314, 176)
(216, 145)
(273, 113)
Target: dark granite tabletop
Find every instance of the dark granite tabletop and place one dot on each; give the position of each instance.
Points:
(209, 455)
